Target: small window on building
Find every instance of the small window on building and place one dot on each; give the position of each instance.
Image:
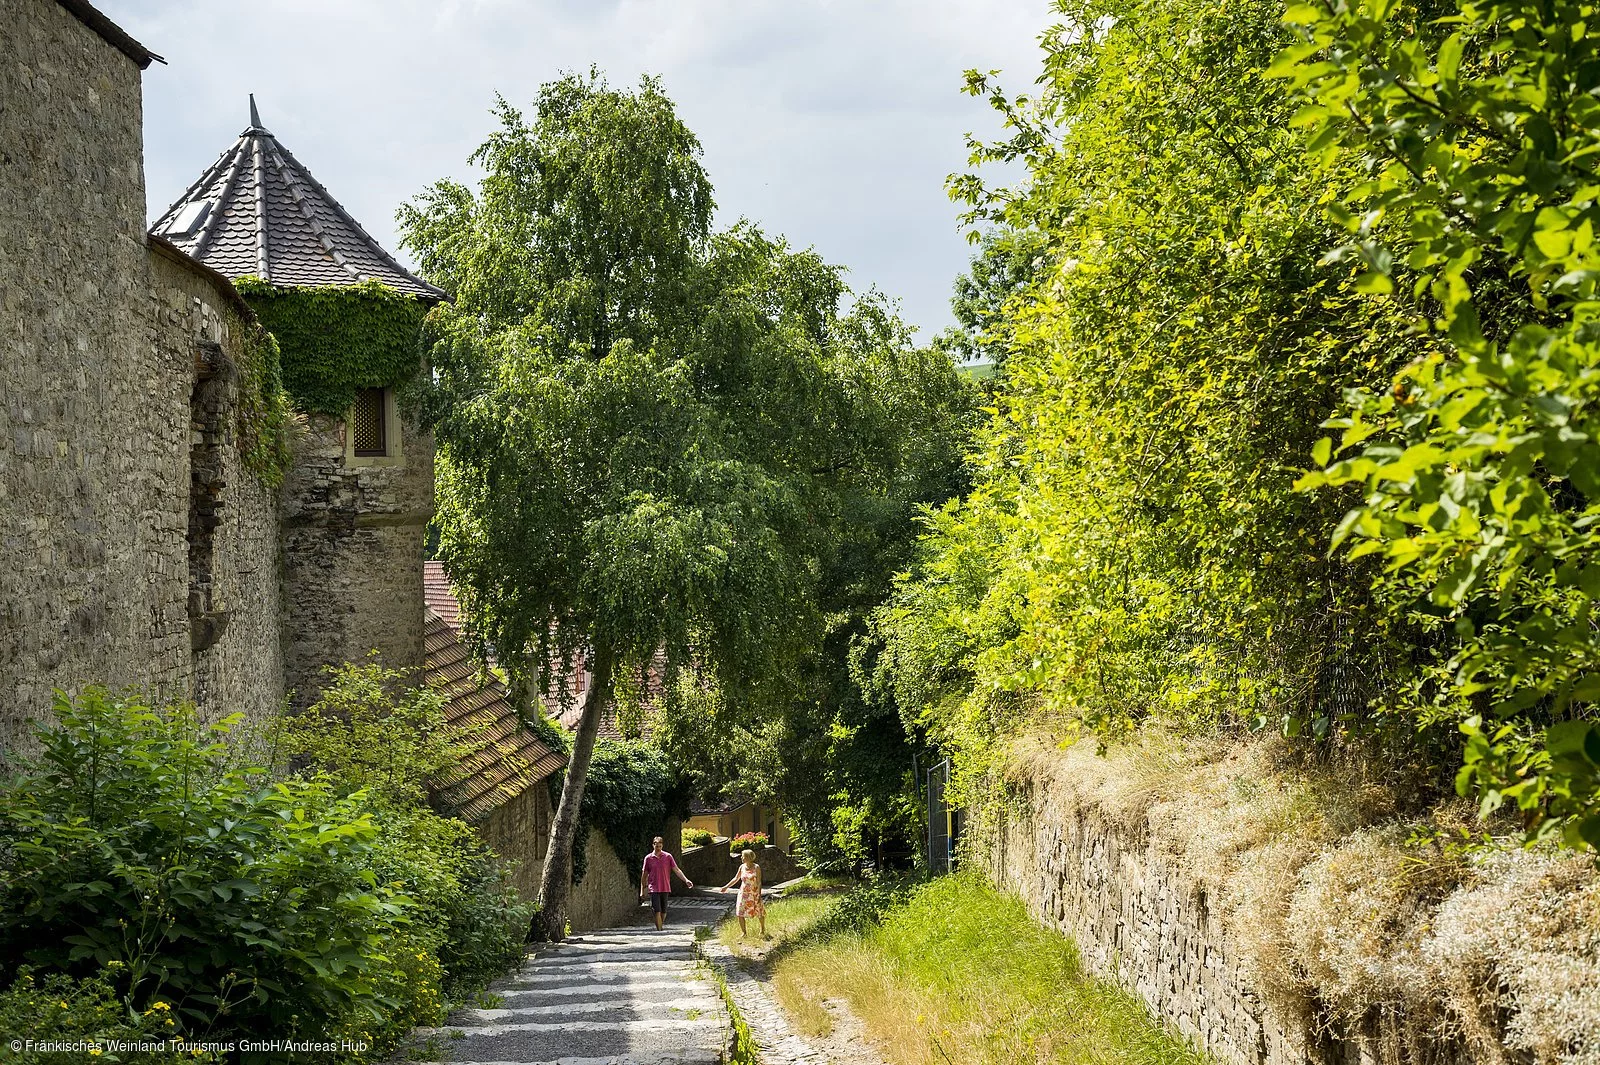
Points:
(368, 432)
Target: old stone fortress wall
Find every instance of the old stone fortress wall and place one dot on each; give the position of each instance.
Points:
(136, 547)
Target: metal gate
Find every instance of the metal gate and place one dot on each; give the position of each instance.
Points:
(941, 840)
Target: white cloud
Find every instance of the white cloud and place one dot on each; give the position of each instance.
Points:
(833, 122)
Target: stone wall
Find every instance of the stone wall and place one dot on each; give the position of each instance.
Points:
(711, 866)
(93, 415)
(609, 893)
(235, 569)
(354, 537)
(1142, 921)
(519, 831)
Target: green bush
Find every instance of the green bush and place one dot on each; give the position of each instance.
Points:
(130, 846)
(146, 868)
(865, 907)
(697, 837)
(371, 736)
(59, 1008)
(629, 794)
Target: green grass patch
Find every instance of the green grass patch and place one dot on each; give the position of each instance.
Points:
(957, 972)
(813, 884)
(786, 918)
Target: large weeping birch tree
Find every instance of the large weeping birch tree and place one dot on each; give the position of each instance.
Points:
(643, 427)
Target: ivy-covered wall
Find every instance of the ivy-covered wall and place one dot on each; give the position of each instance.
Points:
(338, 340)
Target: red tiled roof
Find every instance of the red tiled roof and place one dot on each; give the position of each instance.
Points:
(439, 595)
(511, 759)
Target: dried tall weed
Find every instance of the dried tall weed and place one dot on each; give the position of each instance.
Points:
(1332, 906)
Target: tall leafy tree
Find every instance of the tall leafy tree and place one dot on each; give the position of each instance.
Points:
(649, 434)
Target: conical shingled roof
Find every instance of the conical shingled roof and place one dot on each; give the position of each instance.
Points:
(258, 211)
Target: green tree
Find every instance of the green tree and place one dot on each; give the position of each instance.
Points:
(1474, 130)
(1132, 548)
(1007, 263)
(649, 434)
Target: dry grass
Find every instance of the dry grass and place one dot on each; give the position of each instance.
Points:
(1327, 901)
(962, 974)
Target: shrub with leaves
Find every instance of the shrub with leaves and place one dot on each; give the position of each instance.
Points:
(630, 794)
(54, 1007)
(371, 736)
(130, 847)
(697, 837)
(1475, 132)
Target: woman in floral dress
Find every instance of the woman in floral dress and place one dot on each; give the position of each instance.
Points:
(749, 880)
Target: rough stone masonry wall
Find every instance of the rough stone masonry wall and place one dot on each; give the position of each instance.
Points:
(353, 556)
(93, 416)
(1141, 921)
(235, 582)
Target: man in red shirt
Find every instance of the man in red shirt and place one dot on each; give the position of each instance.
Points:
(656, 878)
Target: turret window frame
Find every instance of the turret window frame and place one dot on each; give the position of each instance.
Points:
(372, 429)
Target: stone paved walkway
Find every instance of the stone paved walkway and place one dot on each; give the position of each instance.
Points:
(622, 996)
(777, 1043)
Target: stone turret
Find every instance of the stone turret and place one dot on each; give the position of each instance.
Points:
(360, 492)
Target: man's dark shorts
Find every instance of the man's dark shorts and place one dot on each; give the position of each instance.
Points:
(658, 901)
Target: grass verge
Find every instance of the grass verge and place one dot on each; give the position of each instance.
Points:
(956, 972)
(744, 1043)
(786, 918)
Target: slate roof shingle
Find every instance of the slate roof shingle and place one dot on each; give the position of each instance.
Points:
(511, 759)
(258, 211)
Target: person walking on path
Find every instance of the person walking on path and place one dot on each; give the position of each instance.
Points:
(656, 878)
(749, 880)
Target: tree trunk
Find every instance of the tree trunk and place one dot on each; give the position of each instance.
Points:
(555, 882)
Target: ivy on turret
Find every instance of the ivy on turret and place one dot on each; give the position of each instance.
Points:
(338, 340)
(263, 409)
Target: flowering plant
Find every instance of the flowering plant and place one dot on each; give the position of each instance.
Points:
(747, 841)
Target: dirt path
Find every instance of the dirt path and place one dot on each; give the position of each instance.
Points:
(778, 1042)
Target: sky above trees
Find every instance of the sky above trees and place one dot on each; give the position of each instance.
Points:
(831, 122)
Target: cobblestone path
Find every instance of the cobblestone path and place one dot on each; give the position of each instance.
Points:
(622, 996)
(777, 1043)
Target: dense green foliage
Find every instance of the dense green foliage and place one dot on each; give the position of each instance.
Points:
(1133, 547)
(263, 408)
(1199, 299)
(654, 438)
(147, 858)
(1476, 139)
(366, 740)
(630, 794)
(242, 903)
(338, 340)
(56, 1007)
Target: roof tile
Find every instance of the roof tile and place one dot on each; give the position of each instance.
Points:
(512, 760)
(311, 241)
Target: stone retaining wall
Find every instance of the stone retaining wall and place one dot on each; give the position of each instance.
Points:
(711, 866)
(1143, 922)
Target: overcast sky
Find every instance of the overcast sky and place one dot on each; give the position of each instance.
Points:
(833, 122)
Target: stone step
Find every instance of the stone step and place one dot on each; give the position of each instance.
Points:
(664, 1039)
(612, 951)
(533, 976)
(681, 1002)
(637, 989)
(616, 975)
